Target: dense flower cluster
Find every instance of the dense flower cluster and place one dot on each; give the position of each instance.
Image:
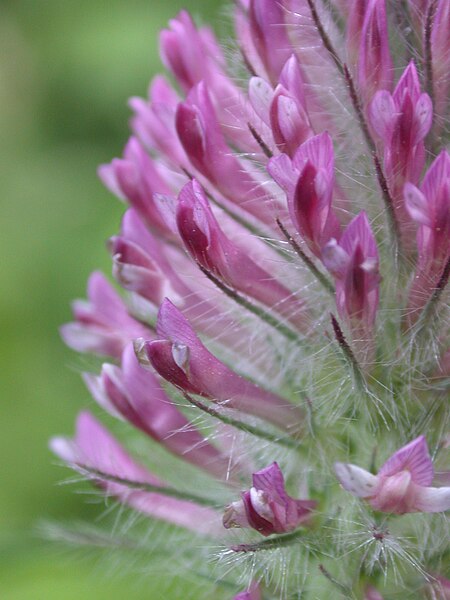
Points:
(286, 254)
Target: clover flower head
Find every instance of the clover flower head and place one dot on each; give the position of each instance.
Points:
(284, 259)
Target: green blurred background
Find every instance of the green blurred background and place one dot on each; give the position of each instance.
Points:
(67, 68)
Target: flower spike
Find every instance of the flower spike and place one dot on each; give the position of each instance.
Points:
(268, 186)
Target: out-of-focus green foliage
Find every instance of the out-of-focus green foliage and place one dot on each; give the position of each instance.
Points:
(66, 70)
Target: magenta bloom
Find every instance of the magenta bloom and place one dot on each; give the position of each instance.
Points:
(96, 450)
(267, 507)
(308, 181)
(375, 68)
(136, 178)
(401, 121)
(136, 395)
(428, 206)
(297, 175)
(211, 248)
(402, 485)
(354, 263)
(102, 324)
(180, 357)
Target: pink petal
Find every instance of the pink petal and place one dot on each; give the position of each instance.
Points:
(97, 390)
(415, 458)
(423, 118)
(108, 177)
(430, 499)
(356, 480)
(289, 122)
(408, 84)
(271, 480)
(335, 258)
(269, 35)
(395, 494)
(95, 448)
(291, 78)
(260, 94)
(382, 113)
(375, 66)
(204, 374)
(416, 204)
(319, 151)
(283, 172)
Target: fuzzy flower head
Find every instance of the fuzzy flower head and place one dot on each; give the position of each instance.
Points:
(284, 259)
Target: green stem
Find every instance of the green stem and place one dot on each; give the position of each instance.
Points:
(343, 588)
(261, 143)
(242, 221)
(324, 281)
(349, 357)
(246, 427)
(253, 308)
(141, 486)
(276, 541)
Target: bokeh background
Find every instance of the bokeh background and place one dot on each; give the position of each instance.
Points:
(67, 68)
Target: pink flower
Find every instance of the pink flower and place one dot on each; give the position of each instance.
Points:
(211, 248)
(402, 485)
(375, 66)
(153, 123)
(288, 112)
(136, 395)
(429, 206)
(102, 324)
(402, 121)
(308, 180)
(354, 263)
(200, 134)
(180, 357)
(260, 31)
(137, 178)
(95, 449)
(267, 507)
